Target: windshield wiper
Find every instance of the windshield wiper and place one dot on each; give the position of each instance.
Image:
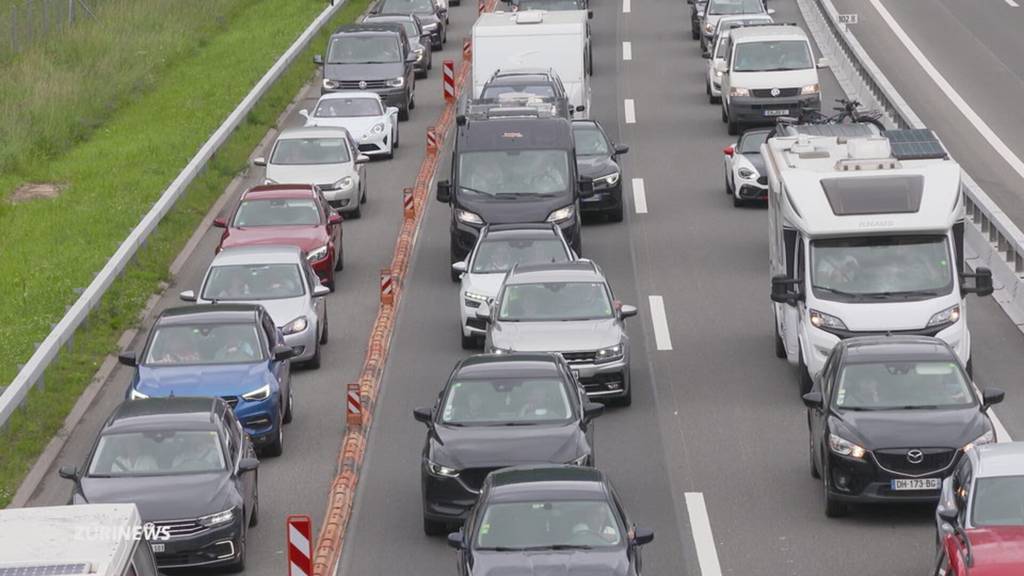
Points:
(560, 547)
(517, 194)
(501, 548)
(907, 293)
(475, 191)
(837, 292)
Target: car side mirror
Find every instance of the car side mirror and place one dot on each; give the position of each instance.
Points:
(982, 282)
(627, 311)
(706, 55)
(642, 536)
(260, 161)
(786, 290)
(128, 358)
(318, 59)
(813, 400)
(460, 267)
(456, 540)
(580, 108)
(621, 149)
(392, 110)
(424, 415)
(334, 219)
(68, 472)
(484, 312)
(220, 222)
(590, 14)
(187, 296)
(320, 291)
(248, 465)
(362, 159)
(721, 67)
(586, 187)
(823, 62)
(592, 410)
(444, 191)
(304, 113)
(990, 396)
(282, 353)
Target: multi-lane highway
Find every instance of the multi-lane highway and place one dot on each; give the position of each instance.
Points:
(713, 452)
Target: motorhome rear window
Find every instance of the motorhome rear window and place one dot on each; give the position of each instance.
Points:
(874, 195)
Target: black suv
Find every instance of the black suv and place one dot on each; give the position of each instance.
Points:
(375, 57)
(512, 165)
(528, 84)
(432, 15)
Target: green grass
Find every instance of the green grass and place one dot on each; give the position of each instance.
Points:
(51, 247)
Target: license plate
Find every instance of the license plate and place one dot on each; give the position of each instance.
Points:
(776, 112)
(915, 484)
(157, 548)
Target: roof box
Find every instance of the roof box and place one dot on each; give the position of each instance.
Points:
(529, 17)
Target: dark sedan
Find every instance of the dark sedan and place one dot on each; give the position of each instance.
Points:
(433, 17)
(548, 519)
(597, 157)
(889, 417)
(189, 467)
(497, 411)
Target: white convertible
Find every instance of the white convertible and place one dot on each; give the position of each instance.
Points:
(373, 126)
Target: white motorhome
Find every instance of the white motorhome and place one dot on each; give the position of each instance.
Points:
(84, 540)
(534, 39)
(867, 237)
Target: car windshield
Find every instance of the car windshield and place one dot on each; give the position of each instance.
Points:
(723, 7)
(589, 140)
(998, 501)
(881, 267)
(500, 401)
(160, 453)
(204, 344)
(244, 282)
(348, 108)
(495, 92)
(277, 212)
(555, 301)
(308, 151)
(766, 56)
(548, 5)
(407, 6)
(903, 386)
(750, 142)
(498, 256)
(542, 524)
(513, 173)
(364, 49)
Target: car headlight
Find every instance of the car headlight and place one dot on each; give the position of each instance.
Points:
(581, 461)
(468, 217)
(562, 214)
(810, 89)
(986, 438)
(218, 518)
(609, 354)
(318, 254)
(377, 128)
(419, 53)
(709, 28)
(295, 326)
(747, 173)
(396, 82)
(741, 92)
(136, 395)
(718, 74)
(826, 321)
(343, 184)
(439, 470)
(607, 180)
(844, 447)
(331, 84)
(261, 393)
(948, 316)
(475, 296)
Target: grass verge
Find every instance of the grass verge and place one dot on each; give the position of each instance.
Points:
(115, 178)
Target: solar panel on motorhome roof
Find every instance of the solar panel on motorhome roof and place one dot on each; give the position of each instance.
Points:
(874, 194)
(46, 570)
(915, 144)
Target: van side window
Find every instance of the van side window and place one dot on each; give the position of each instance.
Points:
(789, 245)
(799, 257)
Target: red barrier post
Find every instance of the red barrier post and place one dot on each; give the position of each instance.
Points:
(300, 551)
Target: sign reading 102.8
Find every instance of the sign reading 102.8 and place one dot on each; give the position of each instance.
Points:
(847, 18)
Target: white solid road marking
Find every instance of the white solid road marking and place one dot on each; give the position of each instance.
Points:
(630, 111)
(662, 339)
(627, 50)
(639, 196)
(700, 525)
(625, 6)
(1000, 147)
(1012, 3)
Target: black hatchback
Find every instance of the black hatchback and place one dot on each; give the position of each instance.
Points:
(549, 520)
(496, 411)
(188, 466)
(889, 417)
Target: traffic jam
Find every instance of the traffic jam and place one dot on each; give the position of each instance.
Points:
(865, 238)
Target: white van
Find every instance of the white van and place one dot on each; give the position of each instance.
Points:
(768, 71)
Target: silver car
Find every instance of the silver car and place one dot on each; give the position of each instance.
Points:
(566, 308)
(328, 158)
(281, 279)
(719, 47)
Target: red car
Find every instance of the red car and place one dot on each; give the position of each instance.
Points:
(288, 214)
(994, 551)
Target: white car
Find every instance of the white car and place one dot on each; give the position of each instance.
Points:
(720, 46)
(363, 114)
(327, 158)
(745, 175)
(498, 248)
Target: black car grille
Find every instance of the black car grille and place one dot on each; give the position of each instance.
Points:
(922, 332)
(472, 303)
(579, 357)
(473, 478)
(933, 460)
(476, 323)
(231, 400)
(179, 528)
(603, 383)
(354, 84)
(767, 92)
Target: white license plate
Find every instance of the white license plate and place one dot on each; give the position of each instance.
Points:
(776, 112)
(157, 548)
(915, 484)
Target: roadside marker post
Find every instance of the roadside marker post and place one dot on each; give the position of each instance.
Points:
(408, 203)
(449, 80)
(300, 551)
(432, 143)
(387, 287)
(354, 402)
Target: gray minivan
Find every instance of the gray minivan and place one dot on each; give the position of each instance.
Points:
(375, 57)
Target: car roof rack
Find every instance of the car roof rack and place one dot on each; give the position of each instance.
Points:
(511, 107)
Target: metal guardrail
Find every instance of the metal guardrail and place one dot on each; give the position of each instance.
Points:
(991, 235)
(32, 373)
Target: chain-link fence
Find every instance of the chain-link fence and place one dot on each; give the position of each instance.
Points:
(24, 22)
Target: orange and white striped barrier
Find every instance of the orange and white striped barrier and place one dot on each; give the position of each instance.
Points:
(467, 49)
(387, 287)
(354, 406)
(449, 80)
(300, 552)
(481, 7)
(432, 141)
(408, 203)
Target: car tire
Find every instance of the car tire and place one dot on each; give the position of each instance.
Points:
(276, 448)
(403, 112)
(835, 508)
(434, 527)
(780, 346)
(314, 362)
(412, 101)
(456, 276)
(733, 127)
(254, 516)
(737, 201)
(804, 377)
(694, 32)
(289, 412)
(714, 99)
(728, 185)
(239, 564)
(472, 342)
(616, 214)
(398, 138)
(339, 265)
(725, 117)
(627, 400)
(358, 212)
(326, 334)
(810, 453)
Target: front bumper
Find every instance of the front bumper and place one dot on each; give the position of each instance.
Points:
(853, 480)
(259, 418)
(603, 200)
(756, 110)
(304, 342)
(471, 325)
(446, 499)
(605, 380)
(716, 84)
(375, 143)
(749, 189)
(345, 199)
(324, 268)
(211, 547)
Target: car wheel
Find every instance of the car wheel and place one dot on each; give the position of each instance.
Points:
(725, 117)
(728, 184)
(833, 507)
(358, 212)
(276, 448)
(780, 346)
(403, 112)
(362, 196)
(430, 61)
(340, 264)
(707, 88)
(452, 260)
(733, 127)
(737, 201)
(254, 517)
(239, 564)
(434, 527)
(289, 410)
(412, 102)
(472, 342)
(398, 137)
(810, 453)
(616, 214)
(314, 362)
(694, 32)
(804, 376)
(714, 99)
(326, 334)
